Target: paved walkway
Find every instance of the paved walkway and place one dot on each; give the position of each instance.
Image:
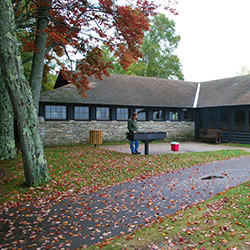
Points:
(165, 148)
(85, 219)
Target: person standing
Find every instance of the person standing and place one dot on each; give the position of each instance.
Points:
(133, 128)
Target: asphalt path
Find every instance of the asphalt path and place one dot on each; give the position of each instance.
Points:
(85, 219)
(165, 148)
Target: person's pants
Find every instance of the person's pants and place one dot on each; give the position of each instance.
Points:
(134, 146)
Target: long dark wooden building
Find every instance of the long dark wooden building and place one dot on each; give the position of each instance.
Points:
(225, 104)
(221, 104)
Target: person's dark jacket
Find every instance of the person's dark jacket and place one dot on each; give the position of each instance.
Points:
(132, 126)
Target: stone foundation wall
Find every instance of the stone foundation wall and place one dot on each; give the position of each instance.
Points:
(71, 132)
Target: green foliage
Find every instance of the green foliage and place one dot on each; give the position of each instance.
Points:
(49, 78)
(48, 82)
(158, 59)
(244, 71)
(108, 57)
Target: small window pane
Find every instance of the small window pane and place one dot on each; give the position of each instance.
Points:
(212, 118)
(240, 120)
(102, 113)
(55, 112)
(173, 115)
(158, 114)
(77, 115)
(81, 113)
(122, 114)
(142, 114)
(224, 119)
(188, 115)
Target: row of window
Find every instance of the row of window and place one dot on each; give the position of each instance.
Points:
(103, 113)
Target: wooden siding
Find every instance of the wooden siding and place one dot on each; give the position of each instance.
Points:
(236, 137)
(230, 135)
(240, 137)
(225, 136)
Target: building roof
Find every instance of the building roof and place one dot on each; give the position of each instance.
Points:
(127, 90)
(225, 92)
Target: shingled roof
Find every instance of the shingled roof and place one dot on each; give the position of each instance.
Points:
(128, 91)
(225, 92)
(138, 91)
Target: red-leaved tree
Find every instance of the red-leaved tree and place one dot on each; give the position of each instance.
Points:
(48, 30)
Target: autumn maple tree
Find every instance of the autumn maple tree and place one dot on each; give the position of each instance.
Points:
(48, 30)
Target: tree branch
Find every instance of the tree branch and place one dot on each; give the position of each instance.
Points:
(52, 45)
(67, 54)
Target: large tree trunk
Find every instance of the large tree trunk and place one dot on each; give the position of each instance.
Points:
(7, 139)
(35, 166)
(38, 57)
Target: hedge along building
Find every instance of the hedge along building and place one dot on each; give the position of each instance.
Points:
(176, 107)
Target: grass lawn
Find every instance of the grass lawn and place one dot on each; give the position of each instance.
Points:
(222, 222)
(81, 168)
(237, 145)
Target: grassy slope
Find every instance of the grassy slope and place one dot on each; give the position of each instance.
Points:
(223, 222)
(77, 167)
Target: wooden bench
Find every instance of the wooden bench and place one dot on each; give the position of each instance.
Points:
(210, 135)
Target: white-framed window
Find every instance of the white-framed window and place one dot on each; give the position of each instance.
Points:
(55, 112)
(81, 113)
(122, 113)
(102, 113)
(158, 114)
(142, 114)
(173, 115)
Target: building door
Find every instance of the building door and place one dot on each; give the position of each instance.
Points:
(198, 122)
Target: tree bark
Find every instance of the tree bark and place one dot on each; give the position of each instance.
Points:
(39, 55)
(35, 165)
(7, 139)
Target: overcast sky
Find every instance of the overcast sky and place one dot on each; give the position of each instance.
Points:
(215, 37)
